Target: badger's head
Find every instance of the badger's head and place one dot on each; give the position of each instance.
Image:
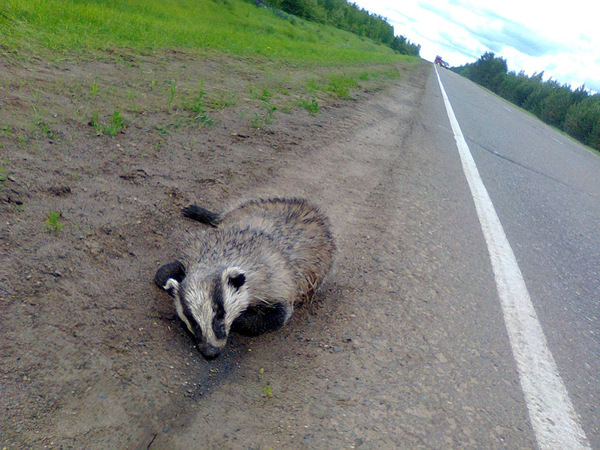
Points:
(208, 302)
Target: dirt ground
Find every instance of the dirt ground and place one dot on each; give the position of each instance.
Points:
(91, 353)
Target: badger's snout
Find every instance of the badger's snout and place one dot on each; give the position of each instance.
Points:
(209, 351)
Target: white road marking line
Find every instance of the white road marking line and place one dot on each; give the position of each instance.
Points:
(554, 420)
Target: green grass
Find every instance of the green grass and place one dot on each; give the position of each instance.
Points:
(340, 85)
(94, 87)
(44, 129)
(115, 125)
(265, 95)
(172, 64)
(224, 101)
(52, 223)
(196, 105)
(311, 106)
(268, 391)
(3, 174)
(32, 27)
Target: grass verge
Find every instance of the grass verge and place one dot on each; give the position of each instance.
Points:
(114, 68)
(236, 27)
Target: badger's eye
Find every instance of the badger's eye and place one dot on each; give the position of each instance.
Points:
(237, 281)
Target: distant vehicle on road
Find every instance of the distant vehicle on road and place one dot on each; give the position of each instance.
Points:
(440, 62)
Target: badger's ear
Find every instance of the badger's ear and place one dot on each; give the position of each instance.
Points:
(169, 276)
(236, 278)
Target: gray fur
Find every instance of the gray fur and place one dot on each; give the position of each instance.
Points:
(247, 274)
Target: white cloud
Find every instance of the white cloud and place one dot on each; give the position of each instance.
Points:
(534, 36)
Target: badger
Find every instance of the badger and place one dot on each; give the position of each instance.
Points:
(247, 269)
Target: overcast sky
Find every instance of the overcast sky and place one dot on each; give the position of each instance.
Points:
(560, 38)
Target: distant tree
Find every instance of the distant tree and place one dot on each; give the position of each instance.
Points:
(526, 87)
(489, 71)
(307, 9)
(535, 99)
(516, 88)
(580, 94)
(583, 121)
(553, 109)
(349, 17)
(404, 46)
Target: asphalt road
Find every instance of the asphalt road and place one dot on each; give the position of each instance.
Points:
(546, 191)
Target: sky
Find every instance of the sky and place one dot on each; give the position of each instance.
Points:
(562, 39)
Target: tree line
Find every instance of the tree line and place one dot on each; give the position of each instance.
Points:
(346, 16)
(577, 112)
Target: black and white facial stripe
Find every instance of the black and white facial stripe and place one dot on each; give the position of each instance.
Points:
(209, 305)
(218, 322)
(191, 324)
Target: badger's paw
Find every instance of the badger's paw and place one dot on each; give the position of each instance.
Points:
(261, 319)
(172, 271)
(201, 215)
